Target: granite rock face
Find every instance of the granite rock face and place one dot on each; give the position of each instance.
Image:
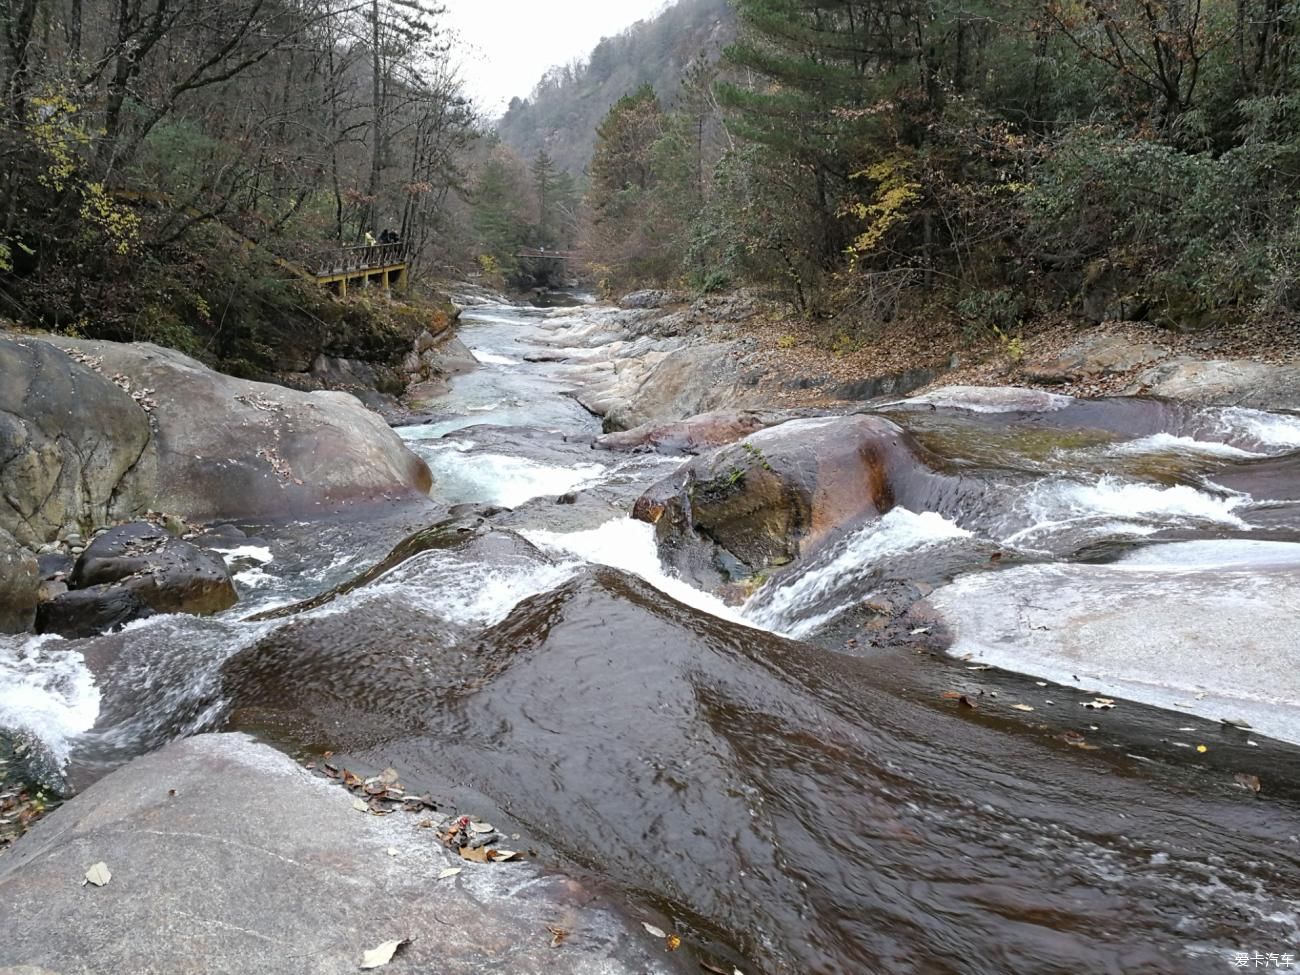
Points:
(227, 857)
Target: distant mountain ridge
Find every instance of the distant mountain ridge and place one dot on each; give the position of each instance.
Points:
(568, 103)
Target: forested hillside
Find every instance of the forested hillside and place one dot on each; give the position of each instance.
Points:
(561, 114)
(168, 161)
(999, 162)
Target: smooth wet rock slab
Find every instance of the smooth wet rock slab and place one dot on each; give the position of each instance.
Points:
(225, 856)
(1206, 628)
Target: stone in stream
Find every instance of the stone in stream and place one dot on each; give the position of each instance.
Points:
(227, 857)
(688, 436)
(113, 429)
(168, 574)
(782, 493)
(19, 585)
(78, 613)
(1219, 639)
(131, 572)
(687, 381)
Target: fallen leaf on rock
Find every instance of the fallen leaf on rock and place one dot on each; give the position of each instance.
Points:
(448, 872)
(557, 936)
(1247, 781)
(673, 942)
(360, 805)
(392, 851)
(714, 969)
(375, 788)
(1022, 707)
(1099, 704)
(919, 630)
(482, 828)
(951, 695)
(98, 875)
(351, 780)
(383, 954)
(479, 855)
(653, 931)
(502, 856)
(1202, 749)
(1078, 741)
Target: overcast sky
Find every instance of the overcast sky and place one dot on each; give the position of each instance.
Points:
(506, 45)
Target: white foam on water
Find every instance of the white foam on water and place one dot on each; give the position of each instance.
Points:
(47, 690)
(256, 578)
(1167, 443)
(252, 553)
(1127, 507)
(782, 606)
(464, 591)
(1275, 432)
(630, 546)
(499, 479)
(990, 399)
(493, 359)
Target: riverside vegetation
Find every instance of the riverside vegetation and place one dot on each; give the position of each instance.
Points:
(739, 625)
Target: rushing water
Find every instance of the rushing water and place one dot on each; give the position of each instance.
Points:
(796, 801)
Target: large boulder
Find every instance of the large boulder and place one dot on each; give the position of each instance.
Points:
(131, 572)
(783, 493)
(1223, 382)
(78, 613)
(689, 380)
(226, 448)
(1094, 357)
(75, 447)
(687, 436)
(226, 857)
(168, 574)
(19, 585)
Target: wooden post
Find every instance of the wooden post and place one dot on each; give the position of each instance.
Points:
(343, 286)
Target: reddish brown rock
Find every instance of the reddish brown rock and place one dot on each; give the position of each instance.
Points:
(782, 493)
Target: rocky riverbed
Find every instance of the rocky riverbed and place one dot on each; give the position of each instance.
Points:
(951, 679)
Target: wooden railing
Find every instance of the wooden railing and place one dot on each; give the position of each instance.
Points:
(358, 258)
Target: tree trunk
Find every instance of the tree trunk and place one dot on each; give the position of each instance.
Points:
(371, 213)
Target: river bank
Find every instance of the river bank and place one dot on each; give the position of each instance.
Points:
(762, 706)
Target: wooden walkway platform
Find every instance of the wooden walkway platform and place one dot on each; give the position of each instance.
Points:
(384, 266)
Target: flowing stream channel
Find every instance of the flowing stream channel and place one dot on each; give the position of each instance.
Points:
(795, 798)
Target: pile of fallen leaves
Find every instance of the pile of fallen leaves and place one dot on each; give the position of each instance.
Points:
(384, 794)
(379, 795)
(20, 807)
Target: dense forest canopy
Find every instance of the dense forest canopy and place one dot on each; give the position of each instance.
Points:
(995, 160)
(162, 155)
